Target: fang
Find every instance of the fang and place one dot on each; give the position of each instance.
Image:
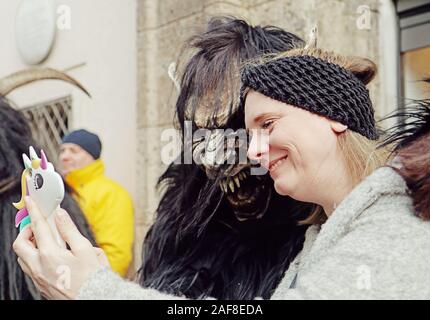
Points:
(231, 185)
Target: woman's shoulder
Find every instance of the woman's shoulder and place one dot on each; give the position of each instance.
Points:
(391, 218)
(384, 181)
(379, 201)
(390, 202)
(394, 217)
(385, 218)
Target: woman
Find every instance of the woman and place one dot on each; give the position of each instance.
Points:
(312, 127)
(365, 248)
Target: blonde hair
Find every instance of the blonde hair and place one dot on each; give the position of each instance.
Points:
(361, 155)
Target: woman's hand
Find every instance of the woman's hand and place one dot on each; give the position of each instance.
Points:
(57, 272)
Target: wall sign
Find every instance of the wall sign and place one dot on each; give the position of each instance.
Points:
(35, 29)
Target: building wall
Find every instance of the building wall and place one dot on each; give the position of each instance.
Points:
(100, 49)
(164, 25)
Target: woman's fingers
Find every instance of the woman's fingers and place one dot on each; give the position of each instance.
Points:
(70, 233)
(24, 247)
(40, 227)
(57, 272)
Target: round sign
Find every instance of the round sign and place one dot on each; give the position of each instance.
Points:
(35, 29)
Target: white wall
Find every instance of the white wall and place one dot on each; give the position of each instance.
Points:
(102, 40)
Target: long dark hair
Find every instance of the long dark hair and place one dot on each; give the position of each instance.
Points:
(15, 138)
(196, 246)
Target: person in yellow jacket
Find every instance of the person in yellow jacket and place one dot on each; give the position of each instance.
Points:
(107, 206)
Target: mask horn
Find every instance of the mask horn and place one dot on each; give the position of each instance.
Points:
(44, 162)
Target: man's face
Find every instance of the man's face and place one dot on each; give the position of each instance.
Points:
(72, 157)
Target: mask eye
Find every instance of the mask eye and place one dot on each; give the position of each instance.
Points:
(38, 181)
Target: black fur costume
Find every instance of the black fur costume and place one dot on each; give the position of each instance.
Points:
(197, 246)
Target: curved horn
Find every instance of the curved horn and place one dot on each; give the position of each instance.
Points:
(23, 77)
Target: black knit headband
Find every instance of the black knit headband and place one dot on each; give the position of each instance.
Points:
(315, 85)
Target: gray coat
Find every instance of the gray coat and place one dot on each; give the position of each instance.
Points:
(371, 247)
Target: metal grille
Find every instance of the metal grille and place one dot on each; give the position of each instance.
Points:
(49, 122)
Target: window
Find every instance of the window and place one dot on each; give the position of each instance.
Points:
(414, 23)
(49, 122)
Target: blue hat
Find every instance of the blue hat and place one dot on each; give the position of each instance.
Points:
(88, 141)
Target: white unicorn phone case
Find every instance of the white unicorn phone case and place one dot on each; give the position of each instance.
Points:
(44, 186)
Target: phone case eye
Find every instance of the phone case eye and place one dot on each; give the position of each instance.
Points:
(38, 181)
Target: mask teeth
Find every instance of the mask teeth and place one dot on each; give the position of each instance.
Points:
(224, 185)
(221, 185)
(231, 185)
(236, 180)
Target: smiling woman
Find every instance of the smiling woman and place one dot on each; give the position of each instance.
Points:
(314, 130)
(316, 111)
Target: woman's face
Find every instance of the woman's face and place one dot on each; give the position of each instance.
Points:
(297, 147)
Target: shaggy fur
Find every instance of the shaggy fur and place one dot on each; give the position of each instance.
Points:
(196, 246)
(15, 138)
